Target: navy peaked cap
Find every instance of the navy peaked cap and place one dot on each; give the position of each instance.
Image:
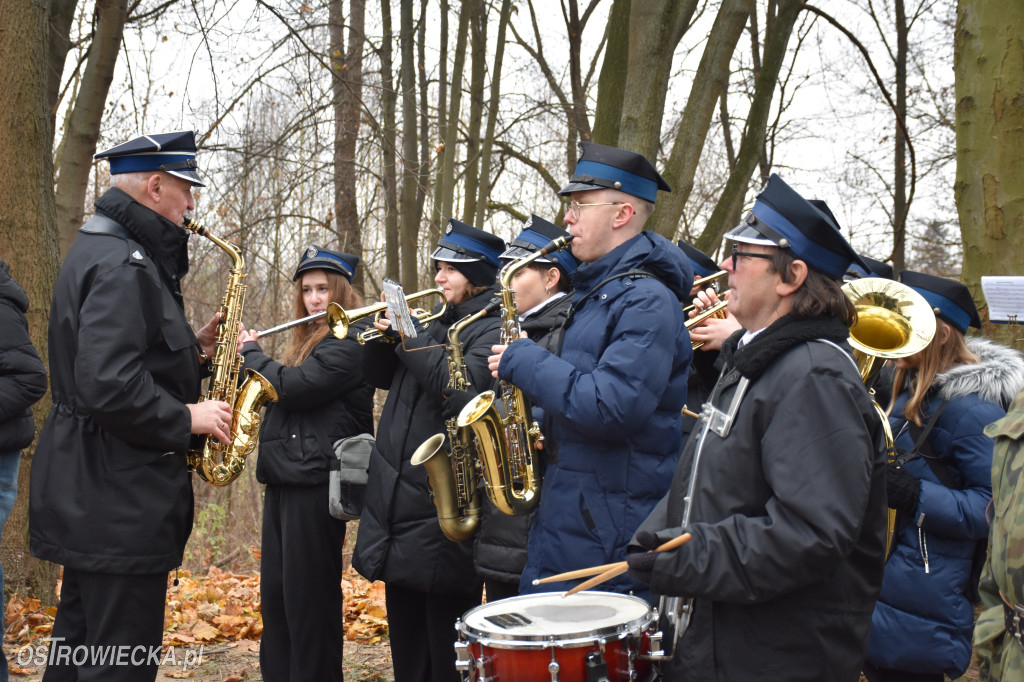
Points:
(462, 243)
(781, 217)
(318, 258)
(173, 153)
(538, 233)
(876, 268)
(702, 264)
(603, 167)
(951, 300)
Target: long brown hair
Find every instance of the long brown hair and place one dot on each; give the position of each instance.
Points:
(936, 358)
(306, 336)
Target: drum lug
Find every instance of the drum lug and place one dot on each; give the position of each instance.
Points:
(596, 667)
(553, 666)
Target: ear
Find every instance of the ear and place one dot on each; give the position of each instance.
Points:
(154, 187)
(551, 277)
(797, 277)
(623, 215)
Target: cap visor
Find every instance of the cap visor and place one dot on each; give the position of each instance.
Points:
(449, 256)
(517, 252)
(748, 234)
(189, 175)
(578, 187)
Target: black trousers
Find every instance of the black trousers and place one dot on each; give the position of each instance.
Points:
(300, 586)
(119, 618)
(497, 590)
(422, 630)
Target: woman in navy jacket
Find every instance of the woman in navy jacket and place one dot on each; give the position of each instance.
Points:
(322, 397)
(922, 624)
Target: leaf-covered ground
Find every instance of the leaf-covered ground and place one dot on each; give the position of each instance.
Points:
(212, 626)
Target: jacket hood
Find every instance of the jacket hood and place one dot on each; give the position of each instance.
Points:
(11, 290)
(647, 251)
(997, 376)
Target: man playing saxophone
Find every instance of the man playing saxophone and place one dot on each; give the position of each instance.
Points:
(111, 497)
(613, 396)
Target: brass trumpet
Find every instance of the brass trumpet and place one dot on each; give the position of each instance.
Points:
(339, 320)
(717, 311)
(714, 281)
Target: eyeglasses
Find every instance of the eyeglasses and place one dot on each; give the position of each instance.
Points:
(748, 254)
(575, 206)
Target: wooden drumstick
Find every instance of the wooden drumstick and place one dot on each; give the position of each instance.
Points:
(572, 575)
(622, 566)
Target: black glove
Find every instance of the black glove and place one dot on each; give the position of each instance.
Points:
(641, 566)
(902, 488)
(454, 401)
(646, 539)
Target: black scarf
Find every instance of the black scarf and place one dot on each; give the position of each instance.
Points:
(786, 332)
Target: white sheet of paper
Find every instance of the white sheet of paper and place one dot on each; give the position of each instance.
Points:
(1005, 297)
(398, 308)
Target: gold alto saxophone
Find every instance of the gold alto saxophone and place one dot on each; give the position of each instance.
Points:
(509, 447)
(216, 463)
(453, 478)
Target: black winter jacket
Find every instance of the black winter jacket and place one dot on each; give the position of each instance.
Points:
(110, 491)
(500, 551)
(400, 541)
(22, 376)
(788, 514)
(322, 399)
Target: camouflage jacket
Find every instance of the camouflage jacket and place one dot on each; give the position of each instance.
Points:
(1002, 658)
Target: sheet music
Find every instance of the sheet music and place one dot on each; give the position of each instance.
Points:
(1005, 297)
(398, 308)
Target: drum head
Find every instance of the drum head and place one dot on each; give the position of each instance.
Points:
(580, 617)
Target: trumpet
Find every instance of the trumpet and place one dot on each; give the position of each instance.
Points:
(714, 281)
(717, 311)
(339, 320)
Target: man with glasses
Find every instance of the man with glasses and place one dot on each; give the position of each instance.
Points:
(612, 397)
(782, 486)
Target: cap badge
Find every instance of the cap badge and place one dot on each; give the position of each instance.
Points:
(448, 229)
(311, 252)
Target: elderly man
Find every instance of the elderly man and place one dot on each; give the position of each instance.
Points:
(782, 486)
(612, 398)
(111, 497)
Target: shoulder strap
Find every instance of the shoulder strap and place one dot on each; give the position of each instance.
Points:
(101, 224)
(923, 449)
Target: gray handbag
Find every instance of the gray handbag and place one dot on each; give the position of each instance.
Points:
(349, 472)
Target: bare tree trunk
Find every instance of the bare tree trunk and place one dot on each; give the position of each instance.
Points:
(28, 237)
(492, 115)
(82, 128)
(388, 173)
(899, 206)
(423, 168)
(726, 213)
(988, 65)
(709, 85)
(442, 125)
(347, 92)
(611, 85)
(655, 29)
(447, 168)
(62, 13)
(410, 218)
(478, 52)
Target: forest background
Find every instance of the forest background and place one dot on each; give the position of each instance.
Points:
(363, 126)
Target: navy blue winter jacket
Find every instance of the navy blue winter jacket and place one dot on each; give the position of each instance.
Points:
(613, 402)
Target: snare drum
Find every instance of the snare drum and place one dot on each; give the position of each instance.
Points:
(546, 638)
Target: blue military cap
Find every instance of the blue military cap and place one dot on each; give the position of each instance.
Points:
(951, 300)
(703, 266)
(781, 217)
(471, 251)
(174, 153)
(536, 234)
(318, 258)
(603, 167)
(875, 268)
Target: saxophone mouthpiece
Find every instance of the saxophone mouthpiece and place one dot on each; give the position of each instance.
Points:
(555, 245)
(194, 226)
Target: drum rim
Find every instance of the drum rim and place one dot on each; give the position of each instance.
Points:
(605, 634)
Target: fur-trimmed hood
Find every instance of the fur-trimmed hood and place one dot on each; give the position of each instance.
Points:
(997, 376)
